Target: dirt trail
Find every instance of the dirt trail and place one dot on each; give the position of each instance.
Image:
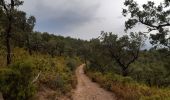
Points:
(87, 90)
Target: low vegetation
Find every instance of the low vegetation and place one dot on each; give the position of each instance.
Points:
(36, 65)
(15, 82)
(30, 75)
(147, 77)
(125, 88)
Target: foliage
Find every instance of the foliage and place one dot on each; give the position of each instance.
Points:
(125, 88)
(8, 21)
(123, 50)
(15, 82)
(71, 64)
(152, 69)
(154, 17)
(148, 77)
(48, 61)
(54, 73)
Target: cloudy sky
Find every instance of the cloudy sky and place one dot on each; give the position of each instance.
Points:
(78, 18)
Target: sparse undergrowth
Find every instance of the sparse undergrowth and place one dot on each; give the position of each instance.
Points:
(127, 89)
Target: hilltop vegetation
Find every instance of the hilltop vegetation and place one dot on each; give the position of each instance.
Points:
(146, 72)
(36, 63)
(33, 62)
(147, 79)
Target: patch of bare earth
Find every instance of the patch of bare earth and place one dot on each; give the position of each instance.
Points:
(49, 94)
(88, 90)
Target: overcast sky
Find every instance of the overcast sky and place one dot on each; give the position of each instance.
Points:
(78, 18)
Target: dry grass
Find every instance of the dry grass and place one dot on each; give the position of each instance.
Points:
(55, 74)
(127, 89)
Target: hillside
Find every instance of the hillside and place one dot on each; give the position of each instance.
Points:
(37, 65)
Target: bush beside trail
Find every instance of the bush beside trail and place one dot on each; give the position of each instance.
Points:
(29, 75)
(125, 88)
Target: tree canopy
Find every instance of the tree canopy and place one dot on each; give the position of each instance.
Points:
(153, 16)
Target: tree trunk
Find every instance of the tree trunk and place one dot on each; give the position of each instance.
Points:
(8, 50)
(28, 45)
(125, 71)
(8, 36)
(60, 52)
(30, 51)
(85, 60)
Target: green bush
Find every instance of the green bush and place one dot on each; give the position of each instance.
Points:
(71, 64)
(15, 82)
(60, 77)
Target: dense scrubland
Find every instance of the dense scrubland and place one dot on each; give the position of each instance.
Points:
(36, 65)
(37, 76)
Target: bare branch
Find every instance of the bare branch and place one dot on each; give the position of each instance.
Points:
(36, 78)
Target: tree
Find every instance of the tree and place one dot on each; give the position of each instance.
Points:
(9, 10)
(99, 57)
(19, 29)
(52, 47)
(124, 50)
(30, 26)
(23, 29)
(36, 42)
(1, 20)
(46, 36)
(155, 17)
(60, 47)
(1, 27)
(84, 51)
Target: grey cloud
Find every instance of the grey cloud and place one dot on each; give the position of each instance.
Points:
(63, 15)
(78, 18)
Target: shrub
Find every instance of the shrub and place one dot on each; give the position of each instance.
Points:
(15, 82)
(71, 64)
(125, 88)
